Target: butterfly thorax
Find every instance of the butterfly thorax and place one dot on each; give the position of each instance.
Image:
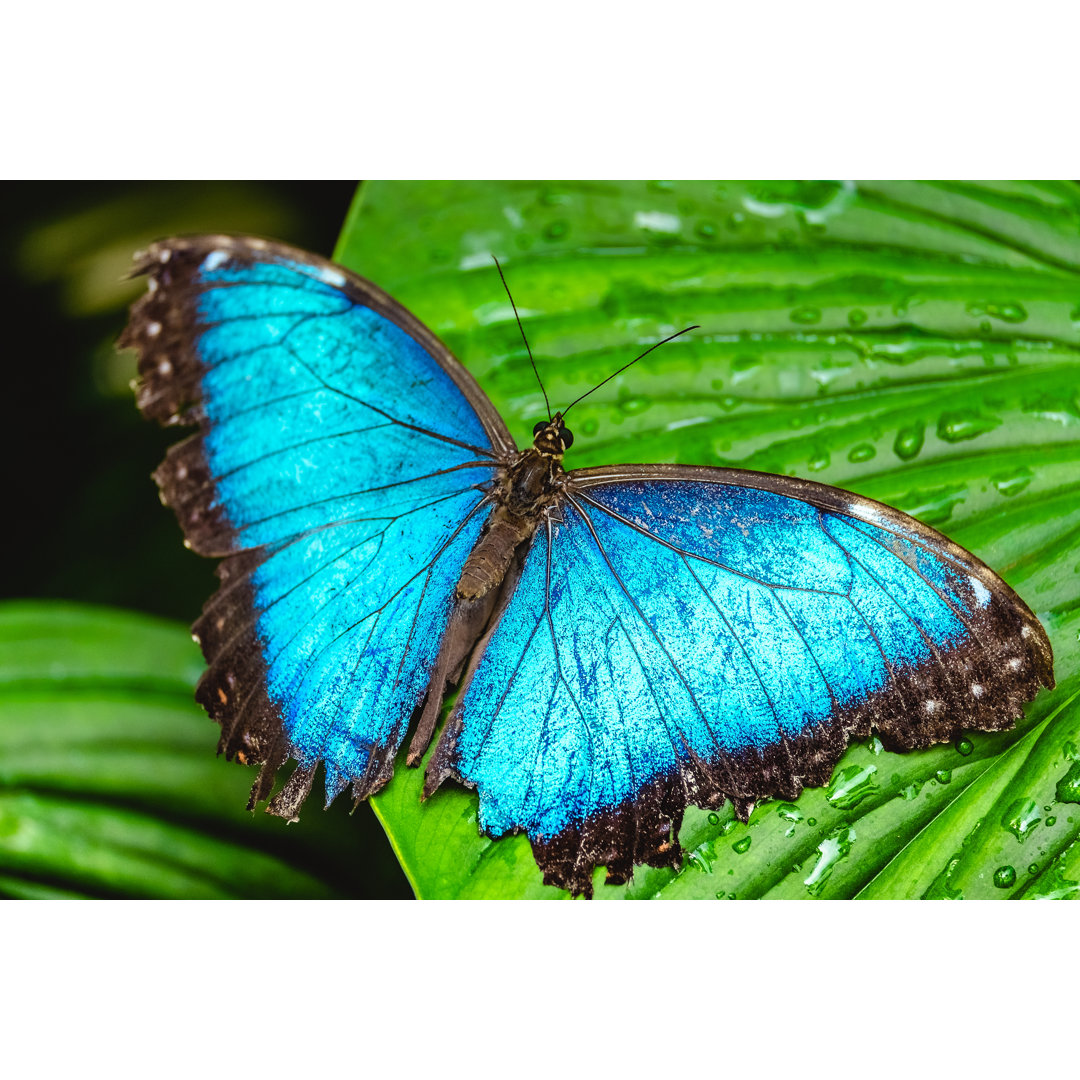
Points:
(530, 484)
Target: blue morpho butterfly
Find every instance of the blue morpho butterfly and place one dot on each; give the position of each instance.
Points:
(628, 639)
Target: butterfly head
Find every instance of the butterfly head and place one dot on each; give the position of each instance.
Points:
(552, 438)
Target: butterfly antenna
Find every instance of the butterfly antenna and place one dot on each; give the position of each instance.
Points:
(625, 366)
(547, 404)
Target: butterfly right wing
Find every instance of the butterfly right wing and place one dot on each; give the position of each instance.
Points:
(686, 635)
(341, 466)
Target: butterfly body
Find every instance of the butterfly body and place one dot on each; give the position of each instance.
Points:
(625, 640)
(523, 493)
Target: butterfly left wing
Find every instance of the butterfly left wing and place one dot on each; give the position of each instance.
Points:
(341, 468)
(684, 635)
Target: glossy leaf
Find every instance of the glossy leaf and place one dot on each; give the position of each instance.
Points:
(918, 343)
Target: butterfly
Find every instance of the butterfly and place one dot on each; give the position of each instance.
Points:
(626, 640)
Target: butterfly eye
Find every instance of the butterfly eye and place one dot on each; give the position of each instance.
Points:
(567, 437)
(537, 428)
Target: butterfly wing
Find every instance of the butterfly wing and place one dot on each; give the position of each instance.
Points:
(685, 635)
(340, 467)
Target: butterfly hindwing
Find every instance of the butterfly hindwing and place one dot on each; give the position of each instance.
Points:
(684, 635)
(340, 466)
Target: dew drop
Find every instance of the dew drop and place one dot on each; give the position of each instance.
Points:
(632, 406)
(1051, 822)
(862, 452)
(911, 791)
(832, 850)
(964, 747)
(856, 316)
(735, 220)
(714, 819)
(791, 813)
(851, 785)
(806, 315)
(909, 441)
(965, 424)
(1007, 312)
(556, 230)
(943, 776)
(1068, 787)
(820, 460)
(811, 821)
(1004, 877)
(985, 326)
(741, 847)
(698, 861)
(942, 888)
(1033, 868)
(1013, 482)
(1021, 817)
(706, 230)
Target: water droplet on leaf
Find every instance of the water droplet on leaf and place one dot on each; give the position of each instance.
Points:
(1021, 817)
(806, 315)
(741, 847)
(862, 452)
(909, 441)
(851, 785)
(1004, 877)
(832, 850)
(965, 424)
(1068, 787)
(1012, 483)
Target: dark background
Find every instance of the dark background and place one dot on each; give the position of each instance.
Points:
(82, 520)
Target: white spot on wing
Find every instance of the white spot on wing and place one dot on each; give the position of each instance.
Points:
(332, 277)
(1015, 663)
(153, 329)
(982, 593)
(976, 689)
(214, 260)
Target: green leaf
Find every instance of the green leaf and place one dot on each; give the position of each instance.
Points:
(109, 785)
(918, 343)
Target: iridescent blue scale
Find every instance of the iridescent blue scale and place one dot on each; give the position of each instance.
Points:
(663, 635)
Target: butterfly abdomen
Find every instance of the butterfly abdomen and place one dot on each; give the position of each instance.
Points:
(488, 562)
